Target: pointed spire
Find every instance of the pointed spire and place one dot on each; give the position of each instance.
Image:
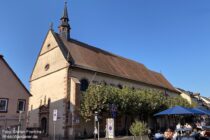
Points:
(64, 27)
(65, 11)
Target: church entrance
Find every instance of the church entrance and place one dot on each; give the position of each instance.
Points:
(44, 125)
(44, 119)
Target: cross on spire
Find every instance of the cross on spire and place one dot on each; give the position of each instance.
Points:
(51, 25)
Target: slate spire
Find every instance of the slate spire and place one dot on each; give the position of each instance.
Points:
(65, 11)
(64, 28)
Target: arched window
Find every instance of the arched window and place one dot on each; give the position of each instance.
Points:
(84, 84)
(120, 86)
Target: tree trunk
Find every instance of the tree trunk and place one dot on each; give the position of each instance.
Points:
(126, 123)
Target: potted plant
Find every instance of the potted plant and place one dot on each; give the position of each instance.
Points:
(138, 129)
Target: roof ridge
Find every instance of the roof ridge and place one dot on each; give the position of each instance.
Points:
(105, 51)
(154, 71)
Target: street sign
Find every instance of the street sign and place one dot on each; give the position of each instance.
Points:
(55, 115)
(110, 128)
(113, 109)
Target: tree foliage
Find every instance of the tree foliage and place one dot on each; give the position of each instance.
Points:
(138, 128)
(129, 101)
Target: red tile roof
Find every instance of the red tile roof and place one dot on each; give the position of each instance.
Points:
(95, 59)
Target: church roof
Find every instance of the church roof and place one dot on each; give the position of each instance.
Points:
(91, 58)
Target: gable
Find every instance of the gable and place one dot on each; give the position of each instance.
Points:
(50, 58)
(49, 44)
(10, 84)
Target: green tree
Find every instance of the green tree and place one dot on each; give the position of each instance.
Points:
(138, 129)
(94, 99)
(131, 103)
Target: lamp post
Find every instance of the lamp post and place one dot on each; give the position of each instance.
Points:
(19, 124)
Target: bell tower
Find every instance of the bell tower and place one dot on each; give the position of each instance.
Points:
(64, 28)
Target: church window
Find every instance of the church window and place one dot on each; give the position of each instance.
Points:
(47, 66)
(84, 84)
(120, 86)
(48, 46)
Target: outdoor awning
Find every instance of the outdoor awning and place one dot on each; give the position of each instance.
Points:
(179, 110)
(207, 112)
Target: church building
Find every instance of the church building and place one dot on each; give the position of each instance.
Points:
(65, 67)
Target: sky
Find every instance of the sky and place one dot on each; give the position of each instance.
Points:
(167, 36)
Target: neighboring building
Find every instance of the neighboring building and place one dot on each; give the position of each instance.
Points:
(65, 67)
(189, 96)
(14, 97)
(196, 98)
(206, 102)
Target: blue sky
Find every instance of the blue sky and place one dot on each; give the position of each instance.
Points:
(168, 36)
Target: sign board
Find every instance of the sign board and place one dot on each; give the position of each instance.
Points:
(110, 128)
(96, 118)
(113, 110)
(55, 115)
(95, 130)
